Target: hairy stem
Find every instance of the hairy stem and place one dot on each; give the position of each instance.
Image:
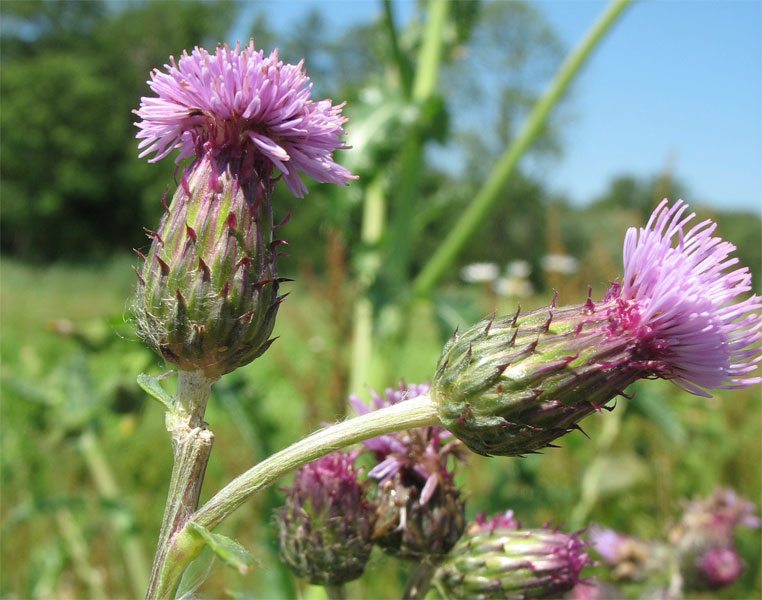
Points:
(489, 193)
(192, 444)
(418, 412)
(185, 546)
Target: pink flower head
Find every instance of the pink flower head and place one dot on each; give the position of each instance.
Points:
(720, 566)
(239, 102)
(679, 297)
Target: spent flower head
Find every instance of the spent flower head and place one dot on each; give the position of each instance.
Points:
(239, 102)
(512, 385)
(420, 511)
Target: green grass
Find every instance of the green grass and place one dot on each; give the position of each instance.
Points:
(69, 363)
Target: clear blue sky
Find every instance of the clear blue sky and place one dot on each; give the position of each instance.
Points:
(674, 84)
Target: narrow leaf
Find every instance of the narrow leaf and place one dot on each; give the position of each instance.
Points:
(150, 385)
(227, 549)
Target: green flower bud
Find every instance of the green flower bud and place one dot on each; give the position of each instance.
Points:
(511, 564)
(207, 292)
(512, 385)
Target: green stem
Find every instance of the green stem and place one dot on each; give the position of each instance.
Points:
(374, 210)
(335, 592)
(108, 489)
(419, 412)
(399, 59)
(186, 546)
(427, 70)
(192, 444)
(491, 190)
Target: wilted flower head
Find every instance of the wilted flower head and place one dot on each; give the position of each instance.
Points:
(512, 385)
(240, 103)
(419, 509)
(718, 515)
(423, 451)
(325, 525)
(512, 564)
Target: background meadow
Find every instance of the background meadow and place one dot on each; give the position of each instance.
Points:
(84, 455)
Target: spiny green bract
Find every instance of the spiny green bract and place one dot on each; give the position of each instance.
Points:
(512, 385)
(207, 292)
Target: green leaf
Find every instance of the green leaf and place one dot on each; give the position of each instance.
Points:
(150, 385)
(228, 550)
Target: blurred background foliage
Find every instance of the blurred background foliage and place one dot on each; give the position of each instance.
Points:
(85, 458)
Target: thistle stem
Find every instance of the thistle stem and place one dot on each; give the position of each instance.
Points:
(335, 592)
(185, 546)
(192, 444)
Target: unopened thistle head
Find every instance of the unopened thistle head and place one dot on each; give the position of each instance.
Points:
(420, 512)
(325, 525)
(512, 385)
(507, 563)
(207, 293)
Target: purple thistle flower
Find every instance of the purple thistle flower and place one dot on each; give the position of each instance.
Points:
(423, 451)
(239, 102)
(678, 297)
(720, 566)
(512, 385)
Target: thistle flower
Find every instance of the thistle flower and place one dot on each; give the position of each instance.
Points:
(419, 509)
(705, 536)
(719, 567)
(325, 525)
(507, 563)
(207, 293)
(240, 103)
(512, 385)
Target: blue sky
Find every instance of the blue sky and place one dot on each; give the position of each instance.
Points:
(675, 85)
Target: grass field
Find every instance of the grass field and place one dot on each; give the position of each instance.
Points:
(86, 460)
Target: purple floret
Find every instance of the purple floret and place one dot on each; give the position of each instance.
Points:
(422, 452)
(239, 101)
(680, 298)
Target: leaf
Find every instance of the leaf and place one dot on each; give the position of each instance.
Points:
(227, 549)
(150, 385)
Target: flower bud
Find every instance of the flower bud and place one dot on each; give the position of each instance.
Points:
(512, 385)
(325, 525)
(207, 292)
(508, 563)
